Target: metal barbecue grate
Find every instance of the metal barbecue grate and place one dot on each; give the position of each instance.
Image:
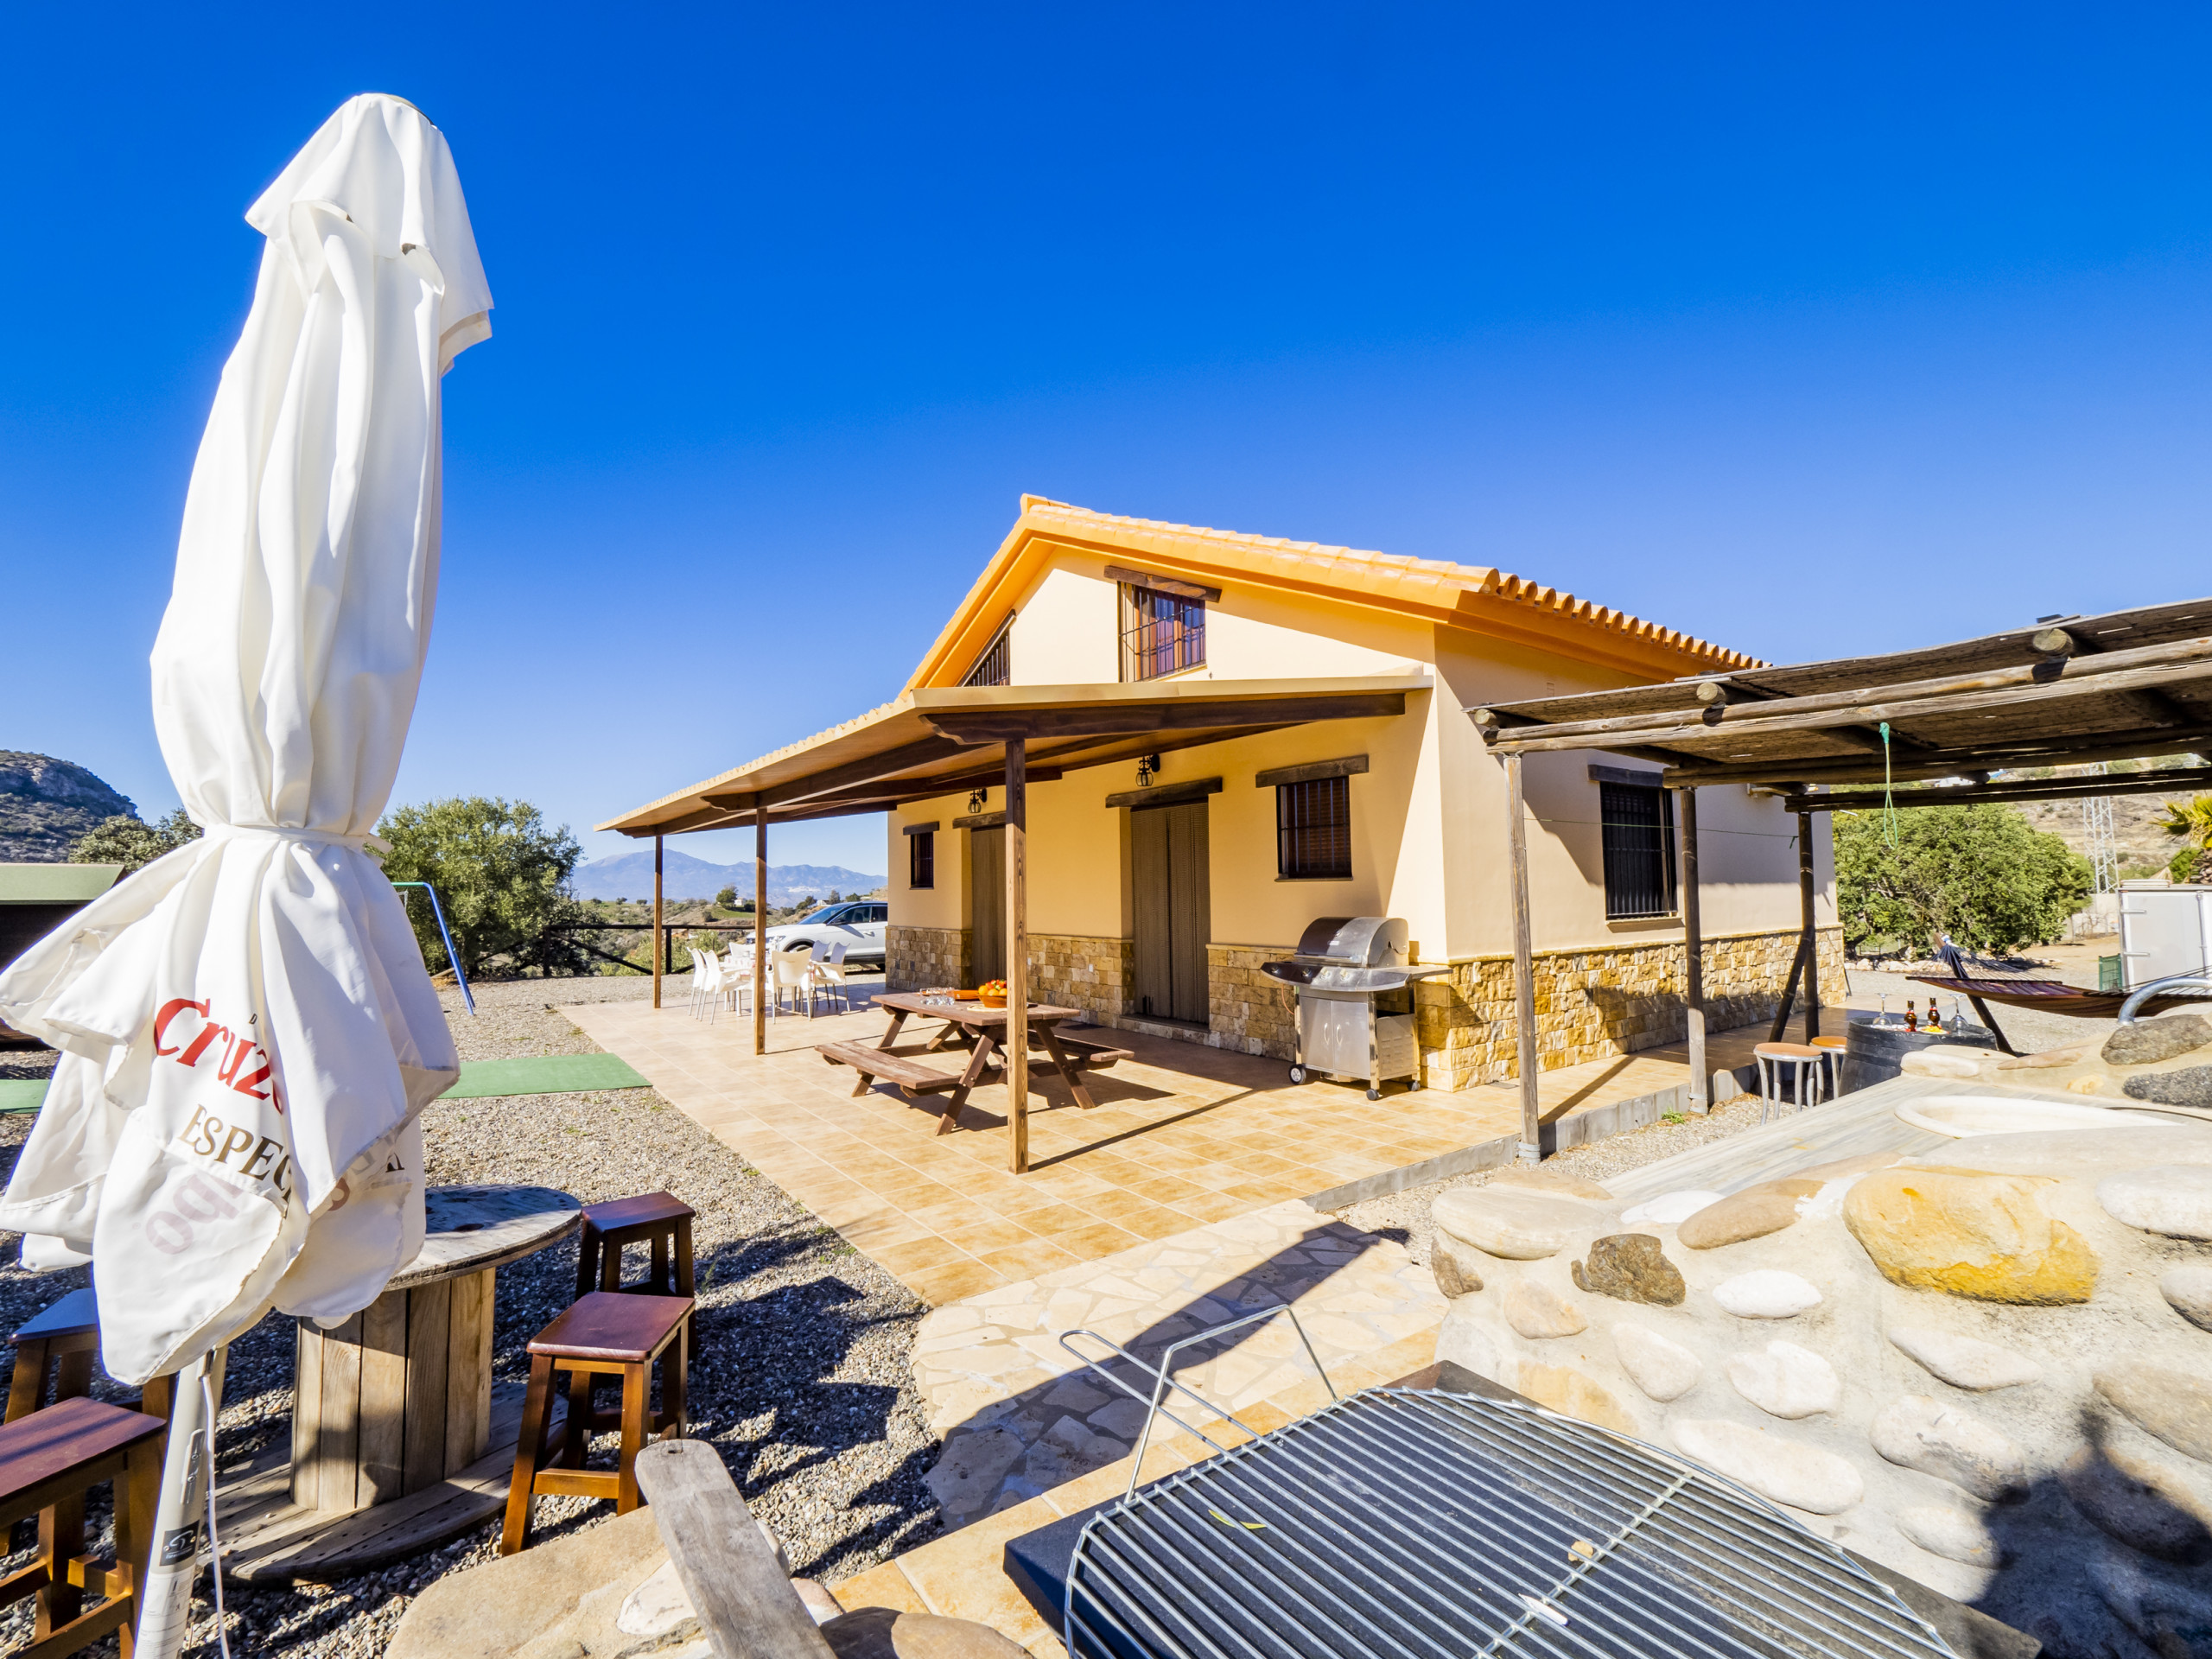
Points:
(1400, 1524)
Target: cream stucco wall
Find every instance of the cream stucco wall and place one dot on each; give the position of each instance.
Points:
(1748, 853)
(1066, 632)
(1063, 630)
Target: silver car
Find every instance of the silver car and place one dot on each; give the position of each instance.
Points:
(857, 926)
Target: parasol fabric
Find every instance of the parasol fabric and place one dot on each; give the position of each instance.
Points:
(248, 1032)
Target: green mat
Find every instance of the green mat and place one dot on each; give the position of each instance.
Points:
(539, 1074)
(543, 1074)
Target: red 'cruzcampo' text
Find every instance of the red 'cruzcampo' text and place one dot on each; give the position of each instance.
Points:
(244, 1063)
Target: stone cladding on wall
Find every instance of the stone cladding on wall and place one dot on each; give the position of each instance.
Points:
(1075, 972)
(1591, 1004)
(1246, 1010)
(915, 957)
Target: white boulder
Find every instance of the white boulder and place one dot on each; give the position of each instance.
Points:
(1914, 1432)
(2175, 1199)
(1661, 1367)
(1804, 1477)
(1766, 1293)
(1964, 1361)
(1786, 1381)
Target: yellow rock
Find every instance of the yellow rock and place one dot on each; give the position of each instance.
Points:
(2086, 1086)
(1970, 1234)
(1565, 1390)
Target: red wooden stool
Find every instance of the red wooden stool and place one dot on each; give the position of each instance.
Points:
(606, 1333)
(57, 1347)
(48, 1461)
(660, 1219)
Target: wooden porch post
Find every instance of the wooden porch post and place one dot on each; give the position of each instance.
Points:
(761, 989)
(1811, 940)
(657, 840)
(1525, 969)
(1017, 956)
(1693, 960)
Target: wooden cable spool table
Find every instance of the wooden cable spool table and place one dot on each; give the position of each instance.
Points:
(398, 1439)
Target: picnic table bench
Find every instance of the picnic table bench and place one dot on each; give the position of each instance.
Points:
(981, 1029)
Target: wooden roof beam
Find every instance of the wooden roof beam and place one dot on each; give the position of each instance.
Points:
(2135, 744)
(2109, 671)
(2150, 703)
(2006, 689)
(2016, 789)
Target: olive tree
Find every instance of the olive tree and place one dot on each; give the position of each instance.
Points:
(502, 876)
(132, 841)
(1980, 874)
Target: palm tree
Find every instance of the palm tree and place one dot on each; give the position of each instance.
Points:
(2191, 823)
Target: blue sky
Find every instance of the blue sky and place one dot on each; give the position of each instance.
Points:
(1811, 330)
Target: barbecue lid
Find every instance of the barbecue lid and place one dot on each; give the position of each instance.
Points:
(1360, 941)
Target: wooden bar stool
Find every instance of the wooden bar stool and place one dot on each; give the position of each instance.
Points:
(1802, 1061)
(48, 1461)
(54, 1351)
(606, 1333)
(660, 1219)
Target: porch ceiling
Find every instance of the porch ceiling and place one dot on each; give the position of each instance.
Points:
(940, 740)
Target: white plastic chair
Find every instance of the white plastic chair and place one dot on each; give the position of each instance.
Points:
(793, 973)
(738, 982)
(827, 971)
(706, 984)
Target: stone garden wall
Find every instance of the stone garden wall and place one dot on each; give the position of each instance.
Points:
(1591, 1004)
(1989, 1368)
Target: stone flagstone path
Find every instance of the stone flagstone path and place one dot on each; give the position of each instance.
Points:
(1021, 1415)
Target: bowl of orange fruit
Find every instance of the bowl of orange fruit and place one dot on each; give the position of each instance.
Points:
(992, 993)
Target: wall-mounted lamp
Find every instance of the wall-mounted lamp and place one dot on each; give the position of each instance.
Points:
(975, 802)
(1148, 767)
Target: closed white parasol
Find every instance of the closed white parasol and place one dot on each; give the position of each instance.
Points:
(248, 1032)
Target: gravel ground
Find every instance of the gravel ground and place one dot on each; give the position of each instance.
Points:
(800, 1375)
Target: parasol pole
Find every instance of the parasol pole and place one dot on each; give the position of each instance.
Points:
(186, 1502)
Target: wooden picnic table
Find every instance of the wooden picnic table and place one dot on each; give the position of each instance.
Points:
(981, 1031)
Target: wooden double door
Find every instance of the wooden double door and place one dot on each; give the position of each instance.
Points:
(986, 903)
(1173, 912)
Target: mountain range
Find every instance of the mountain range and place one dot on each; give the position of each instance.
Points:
(630, 875)
(46, 804)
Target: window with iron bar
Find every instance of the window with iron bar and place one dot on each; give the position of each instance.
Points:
(921, 860)
(1161, 633)
(995, 665)
(1638, 836)
(1314, 830)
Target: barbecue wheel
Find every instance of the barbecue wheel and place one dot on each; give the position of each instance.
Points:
(1375, 1094)
(1298, 1074)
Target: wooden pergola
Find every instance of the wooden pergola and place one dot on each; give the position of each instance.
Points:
(2069, 690)
(940, 740)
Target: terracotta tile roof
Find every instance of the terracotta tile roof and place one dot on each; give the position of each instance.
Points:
(1474, 596)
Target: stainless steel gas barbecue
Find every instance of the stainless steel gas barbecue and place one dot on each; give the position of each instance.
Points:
(1355, 1001)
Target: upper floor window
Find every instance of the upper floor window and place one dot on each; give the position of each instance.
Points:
(995, 666)
(1162, 633)
(1638, 836)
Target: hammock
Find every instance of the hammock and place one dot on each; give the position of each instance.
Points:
(2052, 997)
